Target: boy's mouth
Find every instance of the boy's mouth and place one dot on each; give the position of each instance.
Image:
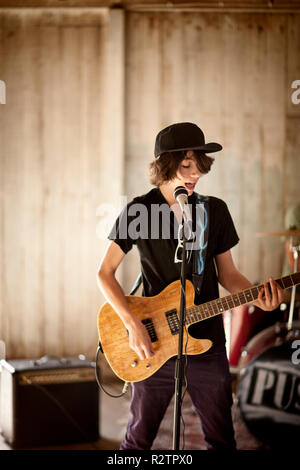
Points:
(190, 186)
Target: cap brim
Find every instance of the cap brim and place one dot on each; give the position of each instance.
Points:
(207, 148)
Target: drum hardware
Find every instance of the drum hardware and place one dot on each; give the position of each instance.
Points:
(283, 307)
(293, 334)
(294, 235)
(227, 317)
(280, 329)
(251, 309)
(279, 333)
(285, 333)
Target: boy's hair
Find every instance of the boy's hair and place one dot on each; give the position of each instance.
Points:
(164, 167)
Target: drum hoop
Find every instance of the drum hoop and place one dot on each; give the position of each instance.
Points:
(263, 333)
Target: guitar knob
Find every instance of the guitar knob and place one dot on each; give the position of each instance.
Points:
(133, 364)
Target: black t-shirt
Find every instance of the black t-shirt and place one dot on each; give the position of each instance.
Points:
(156, 240)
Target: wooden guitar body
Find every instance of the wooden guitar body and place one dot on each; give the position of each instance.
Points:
(153, 311)
(160, 314)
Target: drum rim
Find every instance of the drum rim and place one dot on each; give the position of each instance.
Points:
(262, 333)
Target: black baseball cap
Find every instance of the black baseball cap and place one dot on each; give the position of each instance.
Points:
(183, 136)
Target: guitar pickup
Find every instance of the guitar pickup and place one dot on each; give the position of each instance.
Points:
(150, 328)
(173, 321)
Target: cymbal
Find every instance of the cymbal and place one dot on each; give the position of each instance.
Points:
(284, 233)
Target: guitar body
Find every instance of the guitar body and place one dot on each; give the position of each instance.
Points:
(160, 315)
(152, 310)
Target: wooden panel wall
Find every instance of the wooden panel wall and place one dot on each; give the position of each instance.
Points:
(85, 99)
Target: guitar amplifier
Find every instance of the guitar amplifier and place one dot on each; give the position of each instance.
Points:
(49, 401)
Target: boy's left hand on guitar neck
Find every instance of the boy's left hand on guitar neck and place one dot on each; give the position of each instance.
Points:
(269, 299)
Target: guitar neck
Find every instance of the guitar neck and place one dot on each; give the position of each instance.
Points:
(221, 305)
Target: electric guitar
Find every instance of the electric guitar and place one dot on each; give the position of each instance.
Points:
(160, 315)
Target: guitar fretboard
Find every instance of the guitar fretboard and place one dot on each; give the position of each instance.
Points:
(221, 305)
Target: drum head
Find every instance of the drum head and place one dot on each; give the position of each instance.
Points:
(269, 395)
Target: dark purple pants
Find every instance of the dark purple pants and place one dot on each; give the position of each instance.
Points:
(209, 386)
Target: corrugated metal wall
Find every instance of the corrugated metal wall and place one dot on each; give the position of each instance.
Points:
(78, 130)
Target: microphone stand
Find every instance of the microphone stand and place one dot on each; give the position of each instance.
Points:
(179, 367)
(295, 248)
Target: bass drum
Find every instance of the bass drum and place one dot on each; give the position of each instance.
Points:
(269, 385)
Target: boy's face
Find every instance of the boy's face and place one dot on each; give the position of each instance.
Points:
(188, 173)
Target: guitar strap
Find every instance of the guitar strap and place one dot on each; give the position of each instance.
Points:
(136, 285)
(200, 250)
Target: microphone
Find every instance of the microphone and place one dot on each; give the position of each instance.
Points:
(181, 196)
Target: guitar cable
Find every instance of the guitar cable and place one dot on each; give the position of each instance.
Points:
(98, 377)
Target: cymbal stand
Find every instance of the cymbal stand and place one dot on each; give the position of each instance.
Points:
(295, 249)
